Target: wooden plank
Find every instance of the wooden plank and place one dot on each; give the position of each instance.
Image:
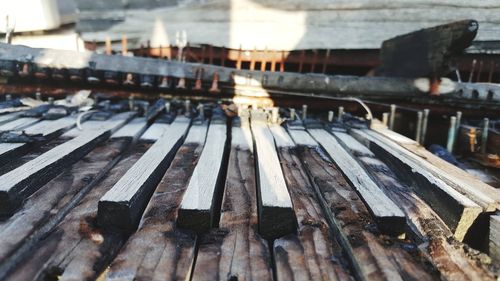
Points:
(370, 257)
(313, 245)
(456, 210)
(115, 122)
(494, 243)
(198, 210)
(77, 249)
(276, 215)
(235, 249)
(18, 124)
(4, 118)
(122, 206)
(483, 194)
(154, 132)
(26, 179)
(428, 229)
(388, 215)
(132, 129)
(45, 209)
(169, 252)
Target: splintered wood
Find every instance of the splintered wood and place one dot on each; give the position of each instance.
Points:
(276, 215)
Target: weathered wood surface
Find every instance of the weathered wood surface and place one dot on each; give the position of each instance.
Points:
(314, 245)
(236, 250)
(122, 206)
(388, 215)
(47, 207)
(115, 122)
(276, 215)
(158, 250)
(154, 132)
(48, 128)
(446, 255)
(77, 249)
(4, 118)
(18, 124)
(26, 179)
(494, 243)
(456, 210)
(483, 194)
(198, 208)
(371, 257)
(132, 129)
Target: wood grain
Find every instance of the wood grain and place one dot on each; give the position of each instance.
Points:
(122, 206)
(388, 215)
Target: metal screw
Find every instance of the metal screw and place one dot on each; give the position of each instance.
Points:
(385, 118)
(392, 116)
(424, 126)
(341, 112)
(292, 114)
(484, 135)
(304, 111)
(51, 100)
(330, 116)
(451, 134)
(274, 115)
(418, 132)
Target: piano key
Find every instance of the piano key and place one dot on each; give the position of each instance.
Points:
(122, 206)
(26, 179)
(198, 208)
(158, 224)
(276, 215)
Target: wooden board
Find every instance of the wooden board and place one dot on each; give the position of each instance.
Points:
(483, 194)
(353, 226)
(122, 206)
(235, 249)
(158, 250)
(18, 124)
(276, 216)
(154, 132)
(47, 207)
(388, 215)
(314, 245)
(456, 210)
(4, 118)
(77, 249)
(494, 244)
(26, 179)
(428, 230)
(198, 210)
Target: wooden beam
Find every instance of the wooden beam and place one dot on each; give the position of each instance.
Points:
(481, 193)
(18, 124)
(456, 210)
(276, 215)
(236, 249)
(115, 122)
(122, 206)
(9, 117)
(494, 243)
(133, 129)
(428, 229)
(146, 262)
(26, 179)
(388, 215)
(154, 132)
(198, 210)
(314, 245)
(347, 216)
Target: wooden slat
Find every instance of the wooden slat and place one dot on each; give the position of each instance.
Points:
(171, 252)
(388, 215)
(371, 258)
(24, 180)
(122, 206)
(276, 215)
(198, 209)
(45, 209)
(77, 249)
(132, 129)
(456, 210)
(483, 194)
(9, 117)
(115, 122)
(154, 132)
(235, 249)
(314, 245)
(18, 124)
(431, 233)
(50, 127)
(494, 243)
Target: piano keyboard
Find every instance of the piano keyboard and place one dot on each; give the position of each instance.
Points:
(136, 197)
